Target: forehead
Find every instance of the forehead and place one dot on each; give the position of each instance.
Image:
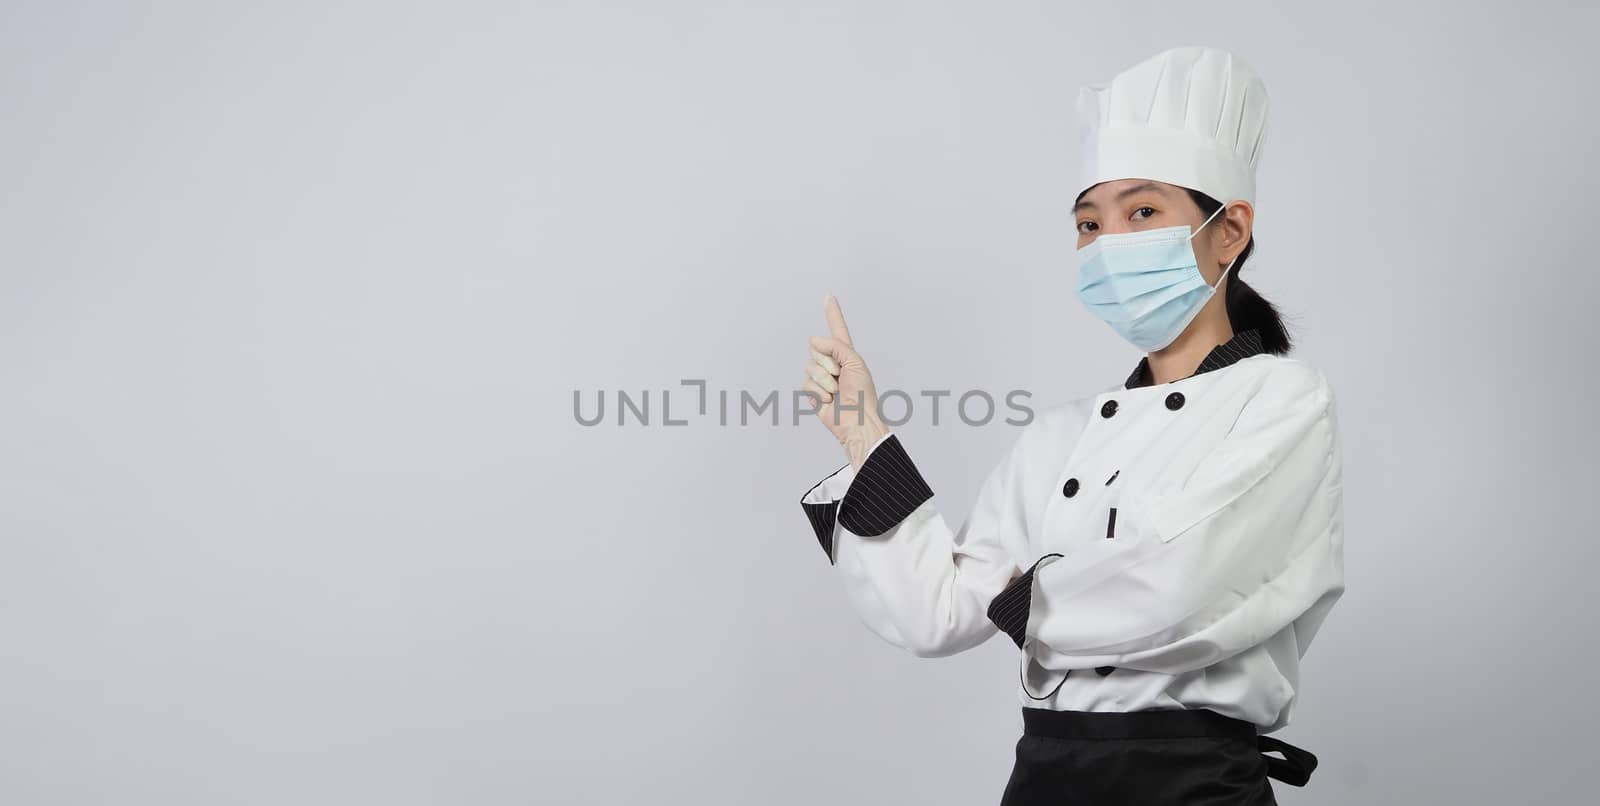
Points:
(1107, 192)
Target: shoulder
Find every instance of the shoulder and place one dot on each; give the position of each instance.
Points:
(1053, 430)
(1286, 396)
(1283, 379)
(1069, 417)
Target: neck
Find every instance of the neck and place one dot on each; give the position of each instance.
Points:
(1183, 356)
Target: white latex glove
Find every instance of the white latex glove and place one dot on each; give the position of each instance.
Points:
(837, 374)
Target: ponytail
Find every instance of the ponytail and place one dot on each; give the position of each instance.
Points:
(1247, 309)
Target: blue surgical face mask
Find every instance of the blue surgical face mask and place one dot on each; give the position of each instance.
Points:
(1146, 285)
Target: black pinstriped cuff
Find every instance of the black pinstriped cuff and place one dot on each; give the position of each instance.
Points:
(885, 490)
(822, 517)
(1009, 610)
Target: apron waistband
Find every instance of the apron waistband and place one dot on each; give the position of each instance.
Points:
(1293, 769)
(1171, 723)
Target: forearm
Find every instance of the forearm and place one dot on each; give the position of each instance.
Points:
(919, 584)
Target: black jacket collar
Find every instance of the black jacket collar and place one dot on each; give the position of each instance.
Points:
(1244, 344)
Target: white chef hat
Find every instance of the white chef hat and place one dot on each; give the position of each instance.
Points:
(1193, 117)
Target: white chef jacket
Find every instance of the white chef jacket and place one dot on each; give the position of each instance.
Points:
(1179, 544)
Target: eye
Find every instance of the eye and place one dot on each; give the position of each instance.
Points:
(1087, 227)
(1147, 211)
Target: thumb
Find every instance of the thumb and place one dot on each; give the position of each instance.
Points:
(837, 349)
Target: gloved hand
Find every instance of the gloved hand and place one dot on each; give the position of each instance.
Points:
(842, 389)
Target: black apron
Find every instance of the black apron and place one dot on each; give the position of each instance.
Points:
(1192, 757)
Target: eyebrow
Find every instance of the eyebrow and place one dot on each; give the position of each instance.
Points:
(1147, 186)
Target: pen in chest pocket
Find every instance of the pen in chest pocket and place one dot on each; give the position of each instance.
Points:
(1111, 520)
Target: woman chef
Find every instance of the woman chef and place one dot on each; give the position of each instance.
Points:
(1162, 553)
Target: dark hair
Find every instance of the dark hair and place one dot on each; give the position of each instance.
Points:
(1247, 309)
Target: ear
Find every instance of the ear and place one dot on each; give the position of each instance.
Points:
(1233, 229)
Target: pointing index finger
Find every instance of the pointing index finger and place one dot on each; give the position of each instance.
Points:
(836, 326)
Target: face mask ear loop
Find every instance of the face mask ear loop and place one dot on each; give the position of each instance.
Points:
(1231, 262)
(1207, 221)
(1224, 274)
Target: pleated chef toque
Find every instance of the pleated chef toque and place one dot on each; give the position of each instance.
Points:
(1193, 117)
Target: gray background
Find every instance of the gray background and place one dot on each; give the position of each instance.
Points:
(295, 509)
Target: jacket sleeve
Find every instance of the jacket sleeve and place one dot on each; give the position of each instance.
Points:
(914, 581)
(1251, 543)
